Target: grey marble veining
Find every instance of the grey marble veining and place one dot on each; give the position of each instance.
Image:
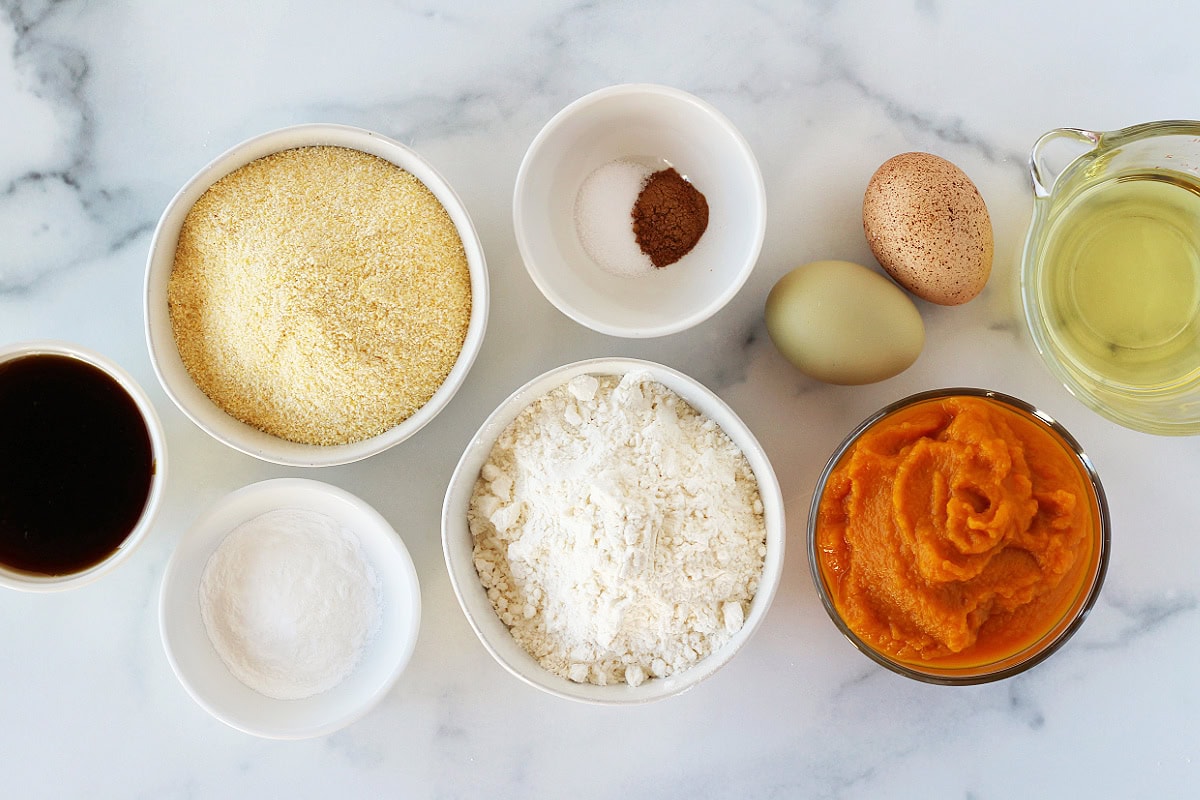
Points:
(54, 210)
(106, 109)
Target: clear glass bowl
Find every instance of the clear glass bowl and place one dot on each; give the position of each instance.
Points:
(1005, 665)
(1110, 275)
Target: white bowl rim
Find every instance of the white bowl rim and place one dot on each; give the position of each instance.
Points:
(666, 328)
(29, 582)
(463, 479)
(409, 585)
(161, 344)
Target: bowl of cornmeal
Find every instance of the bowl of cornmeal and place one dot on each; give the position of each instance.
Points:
(614, 533)
(315, 295)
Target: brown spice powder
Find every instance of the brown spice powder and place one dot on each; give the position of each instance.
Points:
(320, 294)
(669, 217)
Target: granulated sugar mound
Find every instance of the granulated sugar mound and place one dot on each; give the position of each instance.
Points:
(604, 217)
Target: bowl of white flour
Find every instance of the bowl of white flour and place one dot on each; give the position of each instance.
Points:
(289, 609)
(614, 533)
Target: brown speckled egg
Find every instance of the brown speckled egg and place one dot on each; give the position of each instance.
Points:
(929, 228)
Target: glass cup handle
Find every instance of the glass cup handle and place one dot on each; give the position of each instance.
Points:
(1056, 150)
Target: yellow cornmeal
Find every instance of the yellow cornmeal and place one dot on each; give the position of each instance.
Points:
(320, 294)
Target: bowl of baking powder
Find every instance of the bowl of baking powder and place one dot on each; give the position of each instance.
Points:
(289, 609)
(614, 533)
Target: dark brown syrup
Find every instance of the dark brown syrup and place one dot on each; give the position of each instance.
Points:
(75, 464)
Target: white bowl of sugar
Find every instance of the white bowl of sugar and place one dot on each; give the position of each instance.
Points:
(574, 210)
(635, 566)
(289, 609)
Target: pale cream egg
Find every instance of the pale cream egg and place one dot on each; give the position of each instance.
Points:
(840, 322)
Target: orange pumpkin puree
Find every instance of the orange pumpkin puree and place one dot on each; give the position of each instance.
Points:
(956, 532)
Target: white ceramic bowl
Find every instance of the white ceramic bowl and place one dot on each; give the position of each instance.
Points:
(457, 542)
(639, 121)
(169, 367)
(199, 667)
(24, 581)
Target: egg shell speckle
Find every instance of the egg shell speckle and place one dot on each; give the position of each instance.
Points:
(928, 226)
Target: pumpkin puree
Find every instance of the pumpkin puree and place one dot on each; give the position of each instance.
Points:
(956, 531)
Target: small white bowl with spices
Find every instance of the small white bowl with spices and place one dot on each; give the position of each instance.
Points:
(617, 518)
(639, 210)
(315, 295)
(289, 609)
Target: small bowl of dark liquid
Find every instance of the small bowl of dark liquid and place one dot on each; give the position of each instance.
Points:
(81, 466)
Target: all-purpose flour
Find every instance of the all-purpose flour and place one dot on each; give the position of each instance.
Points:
(618, 531)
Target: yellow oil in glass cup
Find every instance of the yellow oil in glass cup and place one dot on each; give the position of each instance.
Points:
(1111, 270)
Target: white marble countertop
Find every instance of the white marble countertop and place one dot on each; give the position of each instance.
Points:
(107, 108)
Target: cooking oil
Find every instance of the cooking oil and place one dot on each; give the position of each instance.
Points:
(1120, 283)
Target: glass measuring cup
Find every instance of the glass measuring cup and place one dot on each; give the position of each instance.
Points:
(1110, 275)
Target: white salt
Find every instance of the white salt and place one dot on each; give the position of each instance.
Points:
(604, 217)
(290, 602)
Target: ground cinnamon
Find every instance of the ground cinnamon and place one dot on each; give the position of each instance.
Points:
(669, 217)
